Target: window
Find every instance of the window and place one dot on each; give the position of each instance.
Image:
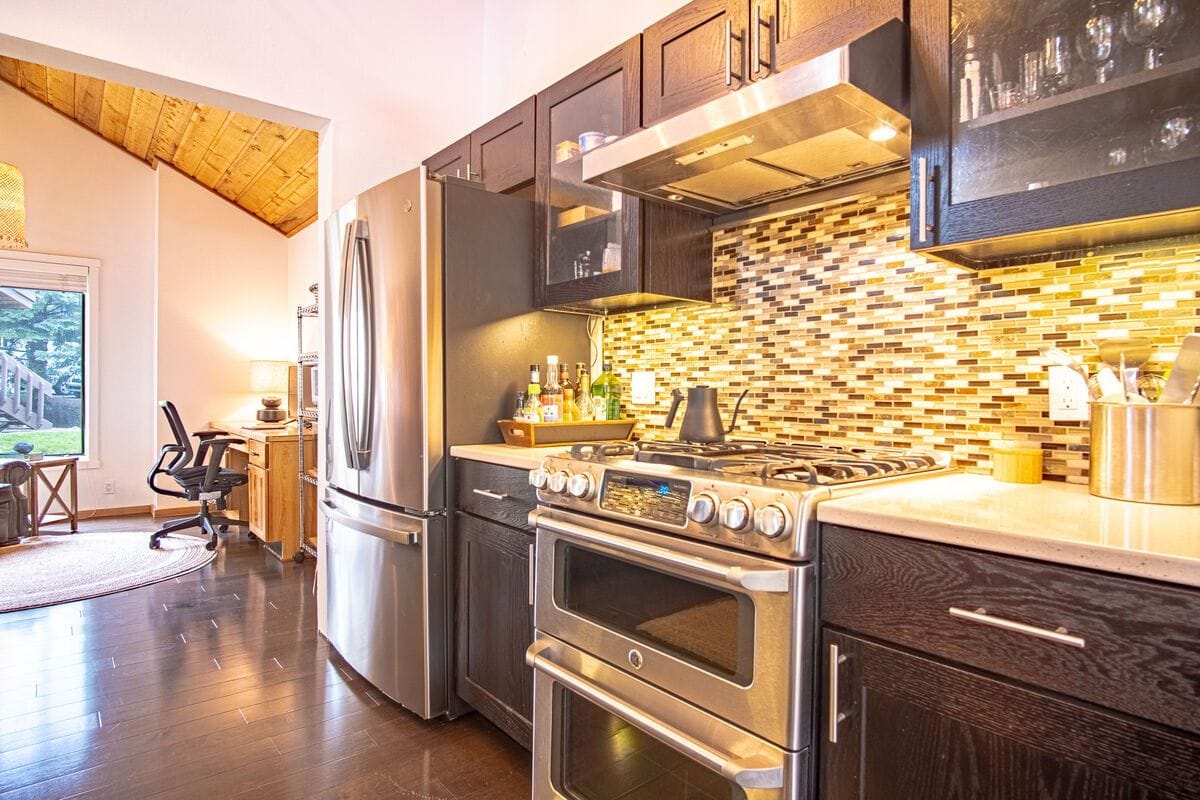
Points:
(47, 311)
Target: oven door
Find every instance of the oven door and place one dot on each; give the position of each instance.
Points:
(727, 631)
(601, 734)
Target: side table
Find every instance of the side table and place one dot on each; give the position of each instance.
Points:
(54, 483)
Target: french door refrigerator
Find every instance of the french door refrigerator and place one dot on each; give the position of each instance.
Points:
(429, 335)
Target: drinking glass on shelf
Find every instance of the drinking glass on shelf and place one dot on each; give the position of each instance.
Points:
(1150, 24)
(1097, 40)
(1031, 75)
(1121, 152)
(1174, 133)
(1005, 95)
(1056, 54)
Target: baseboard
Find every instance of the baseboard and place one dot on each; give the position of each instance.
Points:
(113, 511)
(175, 511)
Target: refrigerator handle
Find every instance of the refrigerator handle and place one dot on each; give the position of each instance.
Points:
(349, 265)
(367, 396)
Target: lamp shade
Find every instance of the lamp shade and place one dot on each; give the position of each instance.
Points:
(12, 207)
(269, 377)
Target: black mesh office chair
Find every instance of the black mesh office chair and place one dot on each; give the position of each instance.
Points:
(201, 478)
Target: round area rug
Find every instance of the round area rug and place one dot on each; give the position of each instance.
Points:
(47, 570)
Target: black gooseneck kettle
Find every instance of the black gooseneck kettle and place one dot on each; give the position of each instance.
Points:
(702, 419)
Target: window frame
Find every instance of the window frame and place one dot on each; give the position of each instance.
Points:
(49, 263)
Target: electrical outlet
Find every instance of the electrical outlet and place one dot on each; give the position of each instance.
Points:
(1068, 395)
(642, 389)
(110, 486)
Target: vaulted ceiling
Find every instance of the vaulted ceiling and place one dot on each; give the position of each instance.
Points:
(267, 168)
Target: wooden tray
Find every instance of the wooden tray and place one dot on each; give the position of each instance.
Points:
(544, 434)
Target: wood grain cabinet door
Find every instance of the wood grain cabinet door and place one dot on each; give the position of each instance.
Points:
(808, 28)
(494, 623)
(897, 726)
(502, 150)
(453, 160)
(256, 499)
(692, 56)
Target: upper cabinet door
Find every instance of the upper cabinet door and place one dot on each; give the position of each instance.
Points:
(502, 150)
(587, 237)
(807, 28)
(697, 53)
(1043, 128)
(452, 161)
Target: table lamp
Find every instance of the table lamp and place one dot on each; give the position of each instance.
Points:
(270, 379)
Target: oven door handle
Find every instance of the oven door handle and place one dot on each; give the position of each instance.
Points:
(754, 580)
(756, 771)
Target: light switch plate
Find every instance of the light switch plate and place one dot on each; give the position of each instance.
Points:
(642, 391)
(1068, 395)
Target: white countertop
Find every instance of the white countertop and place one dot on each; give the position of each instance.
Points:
(507, 455)
(1049, 521)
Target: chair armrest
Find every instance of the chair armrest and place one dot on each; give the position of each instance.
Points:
(159, 469)
(15, 473)
(207, 434)
(211, 452)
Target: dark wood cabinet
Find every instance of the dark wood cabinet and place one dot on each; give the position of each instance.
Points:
(498, 153)
(599, 250)
(1023, 149)
(493, 609)
(451, 161)
(807, 28)
(899, 726)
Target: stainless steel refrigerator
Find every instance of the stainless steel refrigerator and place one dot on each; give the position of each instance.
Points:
(429, 335)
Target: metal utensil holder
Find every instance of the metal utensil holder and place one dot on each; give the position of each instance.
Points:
(1146, 453)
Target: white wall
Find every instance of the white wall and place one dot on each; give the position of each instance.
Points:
(222, 301)
(85, 197)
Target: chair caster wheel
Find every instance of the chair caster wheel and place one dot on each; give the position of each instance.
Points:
(299, 557)
(223, 528)
(210, 546)
(155, 544)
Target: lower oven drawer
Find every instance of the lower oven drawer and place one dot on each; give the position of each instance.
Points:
(724, 630)
(601, 734)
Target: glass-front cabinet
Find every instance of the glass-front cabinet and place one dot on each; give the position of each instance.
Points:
(1045, 126)
(598, 249)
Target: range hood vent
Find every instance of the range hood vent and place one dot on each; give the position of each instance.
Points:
(835, 119)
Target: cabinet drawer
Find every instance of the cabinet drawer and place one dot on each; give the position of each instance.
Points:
(502, 494)
(256, 453)
(1118, 642)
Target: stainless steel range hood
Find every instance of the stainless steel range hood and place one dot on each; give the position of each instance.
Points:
(835, 119)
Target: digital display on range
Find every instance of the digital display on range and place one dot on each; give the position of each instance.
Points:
(658, 499)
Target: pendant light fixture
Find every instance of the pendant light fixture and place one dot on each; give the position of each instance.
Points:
(12, 207)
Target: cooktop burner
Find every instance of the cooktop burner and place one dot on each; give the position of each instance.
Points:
(787, 461)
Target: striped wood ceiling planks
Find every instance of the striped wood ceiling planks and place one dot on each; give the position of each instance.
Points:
(267, 168)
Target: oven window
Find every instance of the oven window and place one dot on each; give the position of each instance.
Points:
(711, 628)
(603, 757)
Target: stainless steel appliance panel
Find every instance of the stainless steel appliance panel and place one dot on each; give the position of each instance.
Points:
(339, 471)
(600, 733)
(387, 608)
(728, 631)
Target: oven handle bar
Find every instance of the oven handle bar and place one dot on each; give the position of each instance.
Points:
(750, 772)
(754, 580)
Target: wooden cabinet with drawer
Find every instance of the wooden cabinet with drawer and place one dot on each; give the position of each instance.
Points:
(1007, 650)
(493, 605)
(499, 153)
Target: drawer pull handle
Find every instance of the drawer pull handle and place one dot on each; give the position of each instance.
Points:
(836, 659)
(981, 616)
(489, 493)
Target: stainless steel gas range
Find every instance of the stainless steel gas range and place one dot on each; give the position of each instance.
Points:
(675, 615)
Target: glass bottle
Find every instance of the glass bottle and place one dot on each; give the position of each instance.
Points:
(583, 399)
(570, 409)
(519, 413)
(606, 394)
(970, 85)
(552, 395)
(533, 400)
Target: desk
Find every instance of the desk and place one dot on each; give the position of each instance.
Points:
(43, 478)
(269, 504)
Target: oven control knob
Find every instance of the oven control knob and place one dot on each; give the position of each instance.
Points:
(772, 521)
(702, 508)
(558, 481)
(538, 478)
(736, 514)
(582, 486)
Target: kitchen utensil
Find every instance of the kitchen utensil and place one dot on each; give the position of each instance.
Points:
(1146, 453)
(702, 420)
(1108, 382)
(1150, 24)
(1123, 354)
(1062, 358)
(1185, 375)
(1097, 41)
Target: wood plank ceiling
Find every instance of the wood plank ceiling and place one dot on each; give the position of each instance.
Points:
(266, 168)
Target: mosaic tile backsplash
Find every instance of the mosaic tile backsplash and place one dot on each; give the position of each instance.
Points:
(841, 333)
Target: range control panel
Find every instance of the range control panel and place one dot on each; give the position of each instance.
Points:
(652, 498)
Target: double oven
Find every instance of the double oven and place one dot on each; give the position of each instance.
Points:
(672, 661)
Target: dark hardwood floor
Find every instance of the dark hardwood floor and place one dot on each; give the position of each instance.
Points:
(217, 685)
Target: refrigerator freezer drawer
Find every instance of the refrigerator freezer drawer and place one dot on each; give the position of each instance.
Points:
(386, 602)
